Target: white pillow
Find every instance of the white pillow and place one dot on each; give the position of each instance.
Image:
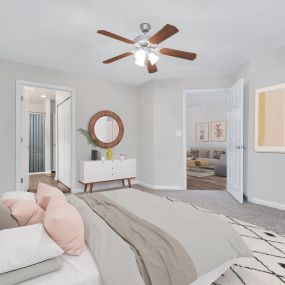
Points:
(29, 196)
(25, 246)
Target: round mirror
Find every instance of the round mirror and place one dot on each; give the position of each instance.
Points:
(106, 128)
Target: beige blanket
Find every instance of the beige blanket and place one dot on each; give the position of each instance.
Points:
(208, 240)
(161, 259)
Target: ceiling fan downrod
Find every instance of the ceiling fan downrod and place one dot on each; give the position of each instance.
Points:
(145, 27)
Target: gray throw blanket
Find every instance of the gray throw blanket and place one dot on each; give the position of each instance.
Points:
(161, 258)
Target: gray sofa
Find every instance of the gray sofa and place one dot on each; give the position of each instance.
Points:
(212, 154)
(221, 168)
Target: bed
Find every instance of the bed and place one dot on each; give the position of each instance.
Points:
(113, 255)
(79, 270)
(76, 270)
(211, 243)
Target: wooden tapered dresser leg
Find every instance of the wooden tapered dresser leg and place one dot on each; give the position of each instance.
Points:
(91, 187)
(129, 183)
(123, 182)
(85, 187)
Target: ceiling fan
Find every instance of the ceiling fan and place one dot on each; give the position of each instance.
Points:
(145, 48)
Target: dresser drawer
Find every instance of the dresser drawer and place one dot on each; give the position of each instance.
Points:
(99, 171)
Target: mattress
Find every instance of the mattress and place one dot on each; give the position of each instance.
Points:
(76, 270)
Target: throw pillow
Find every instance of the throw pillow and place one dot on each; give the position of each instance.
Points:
(217, 154)
(195, 153)
(45, 192)
(25, 246)
(25, 212)
(19, 195)
(65, 226)
(6, 220)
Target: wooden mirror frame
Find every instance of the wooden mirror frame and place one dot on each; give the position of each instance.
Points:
(91, 128)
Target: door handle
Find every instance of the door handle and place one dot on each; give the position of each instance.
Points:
(239, 147)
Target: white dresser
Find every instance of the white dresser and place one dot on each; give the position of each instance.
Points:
(94, 171)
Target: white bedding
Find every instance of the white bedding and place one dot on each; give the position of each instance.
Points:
(76, 270)
(79, 270)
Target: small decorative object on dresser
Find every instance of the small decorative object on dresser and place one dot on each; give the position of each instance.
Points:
(109, 153)
(95, 154)
(91, 172)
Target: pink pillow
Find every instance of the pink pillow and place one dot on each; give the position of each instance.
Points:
(9, 202)
(25, 212)
(64, 225)
(45, 192)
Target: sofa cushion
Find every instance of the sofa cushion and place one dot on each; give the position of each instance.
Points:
(204, 153)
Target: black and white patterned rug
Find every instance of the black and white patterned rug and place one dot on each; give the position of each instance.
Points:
(268, 265)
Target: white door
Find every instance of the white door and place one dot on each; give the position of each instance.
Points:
(64, 142)
(235, 141)
(25, 128)
(53, 168)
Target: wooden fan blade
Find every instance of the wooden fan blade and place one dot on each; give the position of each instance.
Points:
(110, 60)
(151, 67)
(178, 53)
(114, 36)
(166, 32)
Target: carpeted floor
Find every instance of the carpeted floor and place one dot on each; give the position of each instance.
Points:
(267, 267)
(223, 202)
(47, 178)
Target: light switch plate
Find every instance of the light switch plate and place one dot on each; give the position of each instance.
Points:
(178, 134)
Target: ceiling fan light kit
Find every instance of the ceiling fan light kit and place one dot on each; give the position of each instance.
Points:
(145, 50)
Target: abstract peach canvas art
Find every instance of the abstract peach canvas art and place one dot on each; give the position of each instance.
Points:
(270, 119)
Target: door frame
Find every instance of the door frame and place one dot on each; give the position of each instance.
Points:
(184, 126)
(19, 90)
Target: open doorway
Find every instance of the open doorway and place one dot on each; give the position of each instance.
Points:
(206, 140)
(213, 140)
(44, 129)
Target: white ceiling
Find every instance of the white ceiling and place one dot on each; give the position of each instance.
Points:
(35, 94)
(62, 34)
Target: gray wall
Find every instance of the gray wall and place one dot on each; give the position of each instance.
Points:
(92, 96)
(210, 111)
(163, 153)
(264, 172)
(152, 113)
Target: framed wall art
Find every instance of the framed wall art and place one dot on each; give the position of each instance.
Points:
(270, 119)
(202, 132)
(218, 131)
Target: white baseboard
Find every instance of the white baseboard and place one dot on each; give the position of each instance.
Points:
(160, 187)
(266, 203)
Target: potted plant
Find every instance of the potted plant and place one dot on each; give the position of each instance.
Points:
(95, 154)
